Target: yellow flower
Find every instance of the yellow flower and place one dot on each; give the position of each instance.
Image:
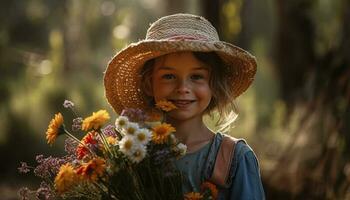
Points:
(193, 196)
(111, 140)
(93, 169)
(54, 128)
(95, 121)
(65, 178)
(161, 133)
(165, 105)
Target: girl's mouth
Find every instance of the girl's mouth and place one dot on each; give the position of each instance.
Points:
(182, 103)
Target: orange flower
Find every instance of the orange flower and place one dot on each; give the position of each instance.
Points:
(96, 120)
(65, 178)
(193, 196)
(154, 116)
(93, 169)
(165, 105)
(54, 128)
(211, 187)
(161, 133)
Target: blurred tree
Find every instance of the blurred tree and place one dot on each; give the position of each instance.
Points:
(320, 82)
(173, 7)
(295, 57)
(211, 10)
(40, 42)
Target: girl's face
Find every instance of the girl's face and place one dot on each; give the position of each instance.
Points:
(182, 79)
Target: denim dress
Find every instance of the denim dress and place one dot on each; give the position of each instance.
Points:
(244, 181)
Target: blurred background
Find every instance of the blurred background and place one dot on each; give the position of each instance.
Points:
(296, 116)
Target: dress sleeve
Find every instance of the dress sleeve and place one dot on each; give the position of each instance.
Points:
(246, 181)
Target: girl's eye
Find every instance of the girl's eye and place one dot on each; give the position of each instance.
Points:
(197, 77)
(168, 76)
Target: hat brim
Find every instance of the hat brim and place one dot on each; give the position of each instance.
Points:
(122, 80)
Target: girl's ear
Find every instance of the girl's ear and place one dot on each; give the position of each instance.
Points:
(146, 77)
(148, 91)
(147, 86)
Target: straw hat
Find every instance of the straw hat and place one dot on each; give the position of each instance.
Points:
(173, 33)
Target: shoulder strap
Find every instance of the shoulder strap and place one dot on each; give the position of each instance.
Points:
(223, 160)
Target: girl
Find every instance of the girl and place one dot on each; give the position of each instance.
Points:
(183, 61)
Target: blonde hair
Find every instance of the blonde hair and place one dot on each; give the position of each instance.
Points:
(220, 84)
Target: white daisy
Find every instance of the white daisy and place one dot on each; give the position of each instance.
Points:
(143, 135)
(138, 154)
(121, 122)
(182, 149)
(127, 145)
(131, 128)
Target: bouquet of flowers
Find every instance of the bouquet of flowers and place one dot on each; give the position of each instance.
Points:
(131, 160)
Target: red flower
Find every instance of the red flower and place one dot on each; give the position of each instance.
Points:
(88, 139)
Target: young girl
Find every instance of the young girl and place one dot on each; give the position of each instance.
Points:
(182, 60)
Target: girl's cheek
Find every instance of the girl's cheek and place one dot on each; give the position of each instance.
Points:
(202, 86)
(204, 90)
(159, 85)
(161, 90)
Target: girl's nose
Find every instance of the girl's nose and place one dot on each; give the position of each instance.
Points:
(183, 87)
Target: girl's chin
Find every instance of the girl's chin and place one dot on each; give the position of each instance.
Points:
(180, 115)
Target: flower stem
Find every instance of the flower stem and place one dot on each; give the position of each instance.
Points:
(105, 143)
(77, 140)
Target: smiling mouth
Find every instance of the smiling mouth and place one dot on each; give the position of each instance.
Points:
(182, 103)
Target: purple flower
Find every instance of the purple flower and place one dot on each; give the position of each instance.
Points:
(70, 158)
(77, 122)
(44, 192)
(24, 168)
(94, 148)
(49, 166)
(39, 158)
(68, 104)
(24, 193)
(109, 131)
(70, 146)
(134, 114)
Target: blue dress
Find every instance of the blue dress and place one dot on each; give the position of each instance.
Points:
(244, 180)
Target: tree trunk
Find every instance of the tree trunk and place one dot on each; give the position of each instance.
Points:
(294, 52)
(212, 13)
